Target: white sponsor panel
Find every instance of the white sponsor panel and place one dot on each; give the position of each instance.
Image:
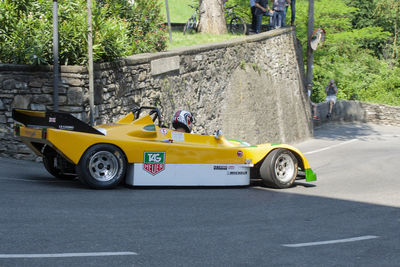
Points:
(178, 136)
(190, 175)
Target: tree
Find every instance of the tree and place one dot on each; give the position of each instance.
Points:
(378, 13)
(211, 18)
(390, 9)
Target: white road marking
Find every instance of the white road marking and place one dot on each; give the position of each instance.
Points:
(330, 147)
(66, 255)
(353, 239)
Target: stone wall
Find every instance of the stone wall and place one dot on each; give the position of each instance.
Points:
(361, 111)
(251, 88)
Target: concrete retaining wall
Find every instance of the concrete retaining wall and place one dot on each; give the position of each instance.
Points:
(361, 111)
(251, 88)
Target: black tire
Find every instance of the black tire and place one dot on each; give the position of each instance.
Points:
(102, 166)
(237, 26)
(52, 161)
(279, 169)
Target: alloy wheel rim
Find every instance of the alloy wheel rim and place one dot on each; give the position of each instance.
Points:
(284, 168)
(103, 166)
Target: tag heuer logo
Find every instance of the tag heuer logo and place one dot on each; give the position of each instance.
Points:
(154, 162)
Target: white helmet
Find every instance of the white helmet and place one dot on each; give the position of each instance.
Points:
(182, 119)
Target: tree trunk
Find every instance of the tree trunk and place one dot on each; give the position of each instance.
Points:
(394, 56)
(395, 52)
(211, 17)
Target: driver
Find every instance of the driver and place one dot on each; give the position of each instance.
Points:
(182, 121)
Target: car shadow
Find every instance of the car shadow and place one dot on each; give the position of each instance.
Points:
(49, 181)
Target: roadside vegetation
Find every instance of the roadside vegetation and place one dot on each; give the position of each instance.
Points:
(120, 28)
(361, 52)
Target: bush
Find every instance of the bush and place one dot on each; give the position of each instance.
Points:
(25, 37)
(120, 28)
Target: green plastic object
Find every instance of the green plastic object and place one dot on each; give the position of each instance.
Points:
(310, 175)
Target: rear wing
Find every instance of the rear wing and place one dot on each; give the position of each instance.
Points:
(51, 119)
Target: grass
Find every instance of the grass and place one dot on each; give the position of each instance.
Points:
(179, 11)
(181, 40)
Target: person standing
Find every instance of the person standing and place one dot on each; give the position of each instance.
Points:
(293, 9)
(262, 9)
(331, 92)
(279, 8)
(253, 16)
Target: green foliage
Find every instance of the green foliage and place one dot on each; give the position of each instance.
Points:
(148, 29)
(352, 52)
(363, 15)
(390, 11)
(384, 14)
(120, 28)
(25, 34)
(144, 22)
(72, 32)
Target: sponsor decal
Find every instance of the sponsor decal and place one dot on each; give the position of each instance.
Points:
(154, 162)
(237, 172)
(220, 168)
(239, 153)
(52, 119)
(30, 133)
(66, 127)
(163, 131)
(178, 136)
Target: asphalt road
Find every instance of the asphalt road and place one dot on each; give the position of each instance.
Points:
(349, 217)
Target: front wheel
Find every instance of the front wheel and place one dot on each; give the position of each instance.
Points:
(102, 166)
(237, 26)
(279, 169)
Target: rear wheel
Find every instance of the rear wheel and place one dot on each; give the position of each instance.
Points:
(237, 26)
(102, 166)
(56, 165)
(279, 169)
(190, 26)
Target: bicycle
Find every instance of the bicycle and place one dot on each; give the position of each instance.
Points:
(236, 25)
(192, 23)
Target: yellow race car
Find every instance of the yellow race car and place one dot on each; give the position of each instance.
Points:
(139, 151)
